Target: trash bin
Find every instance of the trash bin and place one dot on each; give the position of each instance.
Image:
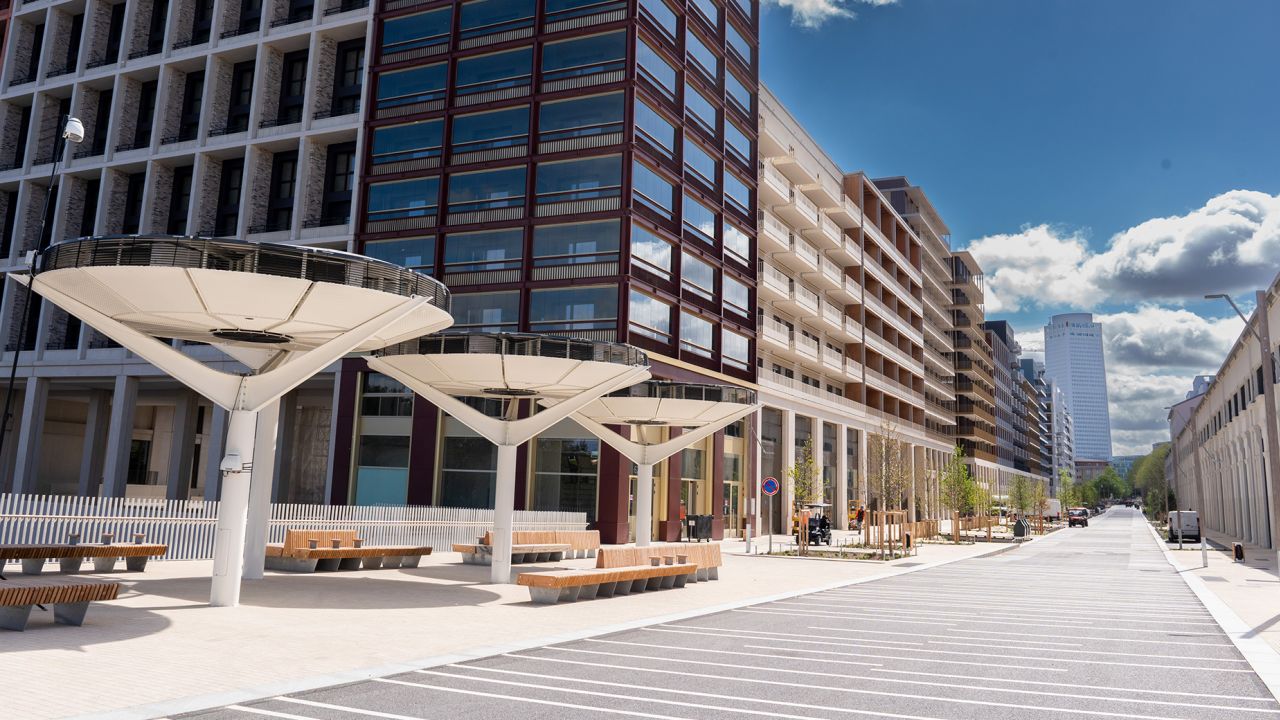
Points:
(1021, 528)
(697, 527)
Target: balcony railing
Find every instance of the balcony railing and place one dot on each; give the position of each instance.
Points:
(580, 138)
(294, 16)
(494, 33)
(585, 15)
(415, 48)
(496, 148)
(596, 73)
(493, 90)
(340, 6)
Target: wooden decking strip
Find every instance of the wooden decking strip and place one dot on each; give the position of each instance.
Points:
(60, 551)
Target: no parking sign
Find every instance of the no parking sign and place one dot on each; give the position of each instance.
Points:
(769, 486)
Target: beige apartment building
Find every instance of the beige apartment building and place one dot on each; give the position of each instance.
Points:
(851, 322)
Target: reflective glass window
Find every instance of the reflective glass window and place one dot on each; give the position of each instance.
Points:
(576, 243)
(653, 126)
(701, 54)
(697, 276)
(580, 117)
(487, 190)
(651, 190)
(700, 163)
(736, 193)
(421, 84)
(573, 309)
(700, 219)
(404, 199)
(492, 72)
(483, 17)
(481, 251)
(415, 253)
(490, 130)
(700, 110)
(655, 68)
(737, 244)
(394, 143)
(734, 349)
(584, 56)
(649, 316)
(650, 251)
(493, 311)
(586, 179)
(735, 295)
(696, 335)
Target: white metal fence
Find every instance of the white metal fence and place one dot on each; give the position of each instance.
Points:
(187, 526)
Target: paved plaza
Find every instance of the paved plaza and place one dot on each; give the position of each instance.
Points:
(1083, 623)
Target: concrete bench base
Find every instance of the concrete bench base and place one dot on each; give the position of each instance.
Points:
(304, 562)
(573, 585)
(15, 618)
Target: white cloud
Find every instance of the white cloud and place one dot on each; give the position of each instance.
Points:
(813, 13)
(1228, 245)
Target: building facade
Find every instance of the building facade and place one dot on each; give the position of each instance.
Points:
(1073, 360)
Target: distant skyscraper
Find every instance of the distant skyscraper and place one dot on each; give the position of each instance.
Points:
(1073, 360)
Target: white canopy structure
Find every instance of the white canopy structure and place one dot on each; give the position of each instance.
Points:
(652, 406)
(285, 312)
(510, 367)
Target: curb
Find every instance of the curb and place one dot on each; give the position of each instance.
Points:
(1263, 658)
(199, 703)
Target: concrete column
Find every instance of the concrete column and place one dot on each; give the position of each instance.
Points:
(284, 446)
(182, 447)
(864, 486)
(35, 399)
(788, 494)
(124, 401)
(215, 442)
(840, 504)
(97, 420)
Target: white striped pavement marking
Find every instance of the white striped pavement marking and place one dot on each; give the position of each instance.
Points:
(952, 622)
(268, 713)
(460, 691)
(961, 633)
(818, 602)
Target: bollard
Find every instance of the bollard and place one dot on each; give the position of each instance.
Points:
(1237, 551)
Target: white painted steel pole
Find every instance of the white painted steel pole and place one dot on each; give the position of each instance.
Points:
(228, 542)
(504, 503)
(264, 471)
(644, 504)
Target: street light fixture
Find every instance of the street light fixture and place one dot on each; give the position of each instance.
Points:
(72, 132)
(1263, 334)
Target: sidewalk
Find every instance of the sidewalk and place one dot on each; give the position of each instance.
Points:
(160, 649)
(1249, 589)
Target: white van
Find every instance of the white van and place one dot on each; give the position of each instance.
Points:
(1185, 523)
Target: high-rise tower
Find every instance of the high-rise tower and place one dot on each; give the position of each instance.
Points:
(1074, 360)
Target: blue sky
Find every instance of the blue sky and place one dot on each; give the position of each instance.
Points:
(1093, 152)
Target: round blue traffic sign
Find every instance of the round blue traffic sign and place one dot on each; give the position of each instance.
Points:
(769, 486)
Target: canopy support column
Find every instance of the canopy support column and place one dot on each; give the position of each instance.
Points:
(264, 466)
(504, 507)
(228, 542)
(644, 504)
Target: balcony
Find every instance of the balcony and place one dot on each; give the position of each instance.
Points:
(832, 316)
(802, 300)
(832, 359)
(827, 235)
(799, 211)
(853, 369)
(794, 387)
(830, 276)
(774, 333)
(584, 15)
(798, 171)
(805, 347)
(774, 235)
(774, 188)
(852, 329)
(800, 256)
(852, 290)
(845, 213)
(774, 284)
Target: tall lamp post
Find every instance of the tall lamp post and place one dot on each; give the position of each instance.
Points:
(1263, 335)
(72, 132)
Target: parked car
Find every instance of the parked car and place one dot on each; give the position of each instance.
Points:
(1078, 516)
(1185, 523)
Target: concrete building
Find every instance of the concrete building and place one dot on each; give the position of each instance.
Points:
(1074, 361)
(974, 373)
(1220, 460)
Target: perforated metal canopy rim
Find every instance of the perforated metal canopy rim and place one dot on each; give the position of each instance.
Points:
(519, 345)
(191, 252)
(669, 390)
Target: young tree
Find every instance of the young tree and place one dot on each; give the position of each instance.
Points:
(959, 490)
(805, 476)
(1020, 495)
(889, 468)
(1068, 494)
(1039, 502)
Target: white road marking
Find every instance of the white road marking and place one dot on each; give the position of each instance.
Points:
(996, 632)
(268, 713)
(460, 691)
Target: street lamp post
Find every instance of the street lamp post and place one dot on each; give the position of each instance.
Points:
(72, 132)
(1263, 334)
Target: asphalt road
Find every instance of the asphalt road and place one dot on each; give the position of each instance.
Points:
(1087, 623)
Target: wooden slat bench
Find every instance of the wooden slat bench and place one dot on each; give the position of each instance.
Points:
(482, 554)
(70, 557)
(705, 555)
(295, 554)
(582, 543)
(551, 587)
(69, 597)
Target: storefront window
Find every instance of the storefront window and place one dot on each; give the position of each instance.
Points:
(468, 467)
(566, 468)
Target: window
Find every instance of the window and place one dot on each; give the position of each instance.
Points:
(416, 85)
(736, 296)
(709, 11)
(155, 28)
(382, 470)
(299, 10)
(381, 396)
(736, 194)
(587, 179)
(486, 17)
(348, 77)
(101, 123)
(660, 15)
(490, 131)
(284, 172)
(413, 141)
(573, 310)
(146, 113)
(745, 7)
(494, 72)
(405, 199)
(293, 88)
(133, 203)
(201, 21)
(339, 179)
(701, 56)
(250, 15)
(115, 30)
(577, 243)
(700, 220)
(565, 470)
(192, 96)
(655, 69)
(737, 145)
(486, 312)
(417, 32)
(738, 93)
(697, 276)
(700, 164)
(699, 109)
(649, 317)
(229, 184)
(468, 465)
(584, 56)
(484, 251)
(650, 252)
(696, 334)
(737, 244)
(414, 253)
(651, 190)
(738, 45)
(88, 217)
(179, 201)
(241, 97)
(734, 349)
(655, 129)
(580, 117)
(488, 190)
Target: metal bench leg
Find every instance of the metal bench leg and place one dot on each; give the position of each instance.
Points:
(372, 563)
(15, 617)
(328, 564)
(668, 582)
(135, 564)
(33, 567)
(606, 590)
(391, 561)
(544, 596)
(104, 564)
(410, 561)
(588, 592)
(349, 564)
(569, 594)
(70, 613)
